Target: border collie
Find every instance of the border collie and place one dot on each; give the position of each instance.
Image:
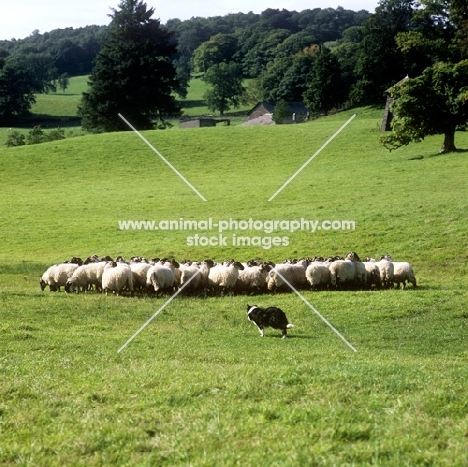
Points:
(272, 317)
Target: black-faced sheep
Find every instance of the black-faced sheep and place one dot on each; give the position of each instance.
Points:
(116, 276)
(360, 278)
(57, 275)
(253, 278)
(140, 271)
(223, 277)
(294, 273)
(342, 273)
(160, 277)
(318, 275)
(402, 272)
(86, 276)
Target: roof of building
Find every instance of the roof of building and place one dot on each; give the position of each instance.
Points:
(294, 107)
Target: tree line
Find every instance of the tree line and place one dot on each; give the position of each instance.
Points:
(321, 56)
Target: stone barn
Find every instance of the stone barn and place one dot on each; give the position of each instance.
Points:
(387, 116)
(298, 111)
(202, 122)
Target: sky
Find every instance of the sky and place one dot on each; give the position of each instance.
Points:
(19, 18)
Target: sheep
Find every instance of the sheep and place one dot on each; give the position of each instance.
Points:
(222, 277)
(57, 275)
(116, 276)
(402, 272)
(139, 271)
(386, 269)
(373, 274)
(85, 276)
(294, 273)
(342, 272)
(253, 278)
(360, 277)
(160, 277)
(187, 271)
(318, 275)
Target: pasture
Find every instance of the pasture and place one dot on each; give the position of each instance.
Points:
(199, 386)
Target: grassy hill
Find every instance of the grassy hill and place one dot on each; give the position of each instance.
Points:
(198, 386)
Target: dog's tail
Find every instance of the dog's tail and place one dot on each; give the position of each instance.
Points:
(289, 326)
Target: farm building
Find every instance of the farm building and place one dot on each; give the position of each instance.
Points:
(298, 111)
(202, 122)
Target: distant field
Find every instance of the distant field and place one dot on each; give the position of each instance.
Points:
(61, 104)
(199, 386)
(59, 109)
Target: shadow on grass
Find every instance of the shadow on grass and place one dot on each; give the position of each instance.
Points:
(457, 151)
(192, 104)
(48, 122)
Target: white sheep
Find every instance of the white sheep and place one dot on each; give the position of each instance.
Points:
(187, 271)
(86, 276)
(360, 278)
(199, 271)
(372, 274)
(294, 273)
(386, 270)
(403, 271)
(318, 275)
(116, 276)
(57, 275)
(342, 272)
(253, 278)
(160, 277)
(222, 277)
(139, 270)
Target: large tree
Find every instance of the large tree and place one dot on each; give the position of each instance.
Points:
(326, 88)
(436, 102)
(133, 74)
(379, 63)
(17, 88)
(220, 48)
(226, 86)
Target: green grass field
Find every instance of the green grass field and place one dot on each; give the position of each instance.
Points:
(59, 109)
(199, 386)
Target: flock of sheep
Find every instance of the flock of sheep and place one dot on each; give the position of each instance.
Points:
(159, 276)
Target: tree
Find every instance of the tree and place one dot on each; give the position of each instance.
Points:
(220, 48)
(436, 102)
(286, 78)
(133, 74)
(326, 88)
(281, 112)
(17, 92)
(379, 63)
(63, 81)
(227, 89)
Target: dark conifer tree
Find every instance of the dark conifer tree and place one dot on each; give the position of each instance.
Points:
(326, 88)
(133, 74)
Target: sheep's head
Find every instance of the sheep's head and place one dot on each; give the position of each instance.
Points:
(209, 262)
(238, 265)
(352, 256)
(43, 284)
(70, 285)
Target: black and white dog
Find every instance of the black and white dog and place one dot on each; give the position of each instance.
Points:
(272, 317)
